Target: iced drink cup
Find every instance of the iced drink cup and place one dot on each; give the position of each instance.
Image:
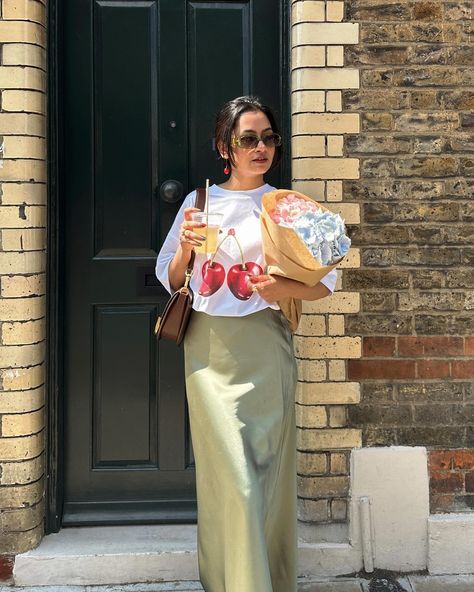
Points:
(211, 231)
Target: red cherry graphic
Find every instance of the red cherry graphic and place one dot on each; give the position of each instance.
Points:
(238, 279)
(213, 276)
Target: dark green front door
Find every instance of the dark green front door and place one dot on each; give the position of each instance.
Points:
(142, 81)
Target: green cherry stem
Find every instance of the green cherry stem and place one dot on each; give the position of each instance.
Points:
(217, 249)
(244, 267)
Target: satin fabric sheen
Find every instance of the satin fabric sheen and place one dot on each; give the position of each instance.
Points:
(241, 380)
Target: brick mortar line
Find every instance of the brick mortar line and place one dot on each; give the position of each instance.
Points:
(24, 158)
(436, 23)
(407, 380)
(22, 485)
(20, 42)
(328, 428)
(16, 508)
(25, 20)
(21, 66)
(384, 156)
(426, 357)
(26, 530)
(10, 413)
(422, 88)
(30, 530)
(22, 436)
(410, 224)
(2, 393)
(20, 275)
(382, 133)
(406, 44)
(35, 113)
(30, 273)
(21, 345)
(323, 66)
(22, 413)
(18, 462)
(21, 321)
(324, 22)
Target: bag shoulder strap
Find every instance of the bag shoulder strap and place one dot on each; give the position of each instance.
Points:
(200, 204)
(200, 198)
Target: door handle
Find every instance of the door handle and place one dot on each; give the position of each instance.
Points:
(171, 191)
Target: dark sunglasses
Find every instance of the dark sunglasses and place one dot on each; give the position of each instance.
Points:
(250, 141)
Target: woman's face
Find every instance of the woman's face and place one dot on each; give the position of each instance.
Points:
(254, 161)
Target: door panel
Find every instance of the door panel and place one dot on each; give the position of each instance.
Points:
(142, 82)
(125, 128)
(124, 402)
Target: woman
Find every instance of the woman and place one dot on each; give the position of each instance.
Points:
(240, 369)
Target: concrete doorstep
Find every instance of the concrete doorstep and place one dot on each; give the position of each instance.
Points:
(407, 583)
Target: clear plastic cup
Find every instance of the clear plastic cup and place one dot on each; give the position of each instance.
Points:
(211, 231)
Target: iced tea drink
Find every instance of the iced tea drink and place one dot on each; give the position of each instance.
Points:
(211, 231)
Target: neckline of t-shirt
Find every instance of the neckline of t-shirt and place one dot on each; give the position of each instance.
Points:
(263, 188)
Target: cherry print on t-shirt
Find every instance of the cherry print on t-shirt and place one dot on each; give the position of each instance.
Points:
(238, 279)
(213, 274)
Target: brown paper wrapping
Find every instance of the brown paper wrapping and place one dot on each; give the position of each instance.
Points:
(287, 255)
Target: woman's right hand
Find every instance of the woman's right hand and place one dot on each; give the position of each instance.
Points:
(188, 238)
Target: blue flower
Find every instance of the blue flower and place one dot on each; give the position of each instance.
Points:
(324, 234)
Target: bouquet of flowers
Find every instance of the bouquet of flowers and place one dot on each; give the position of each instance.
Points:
(302, 240)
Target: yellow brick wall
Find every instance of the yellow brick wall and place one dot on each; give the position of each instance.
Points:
(22, 272)
(318, 75)
(319, 166)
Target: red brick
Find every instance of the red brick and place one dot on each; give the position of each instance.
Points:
(469, 346)
(470, 482)
(410, 346)
(462, 369)
(432, 369)
(433, 346)
(446, 482)
(442, 459)
(441, 502)
(6, 567)
(443, 346)
(378, 346)
(358, 369)
(463, 459)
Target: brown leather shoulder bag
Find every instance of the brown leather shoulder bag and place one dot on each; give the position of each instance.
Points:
(174, 319)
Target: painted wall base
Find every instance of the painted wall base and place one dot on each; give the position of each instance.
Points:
(451, 544)
(394, 482)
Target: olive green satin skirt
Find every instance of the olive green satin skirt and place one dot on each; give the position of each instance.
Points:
(241, 380)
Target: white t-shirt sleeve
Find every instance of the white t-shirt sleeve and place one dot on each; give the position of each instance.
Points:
(330, 279)
(171, 244)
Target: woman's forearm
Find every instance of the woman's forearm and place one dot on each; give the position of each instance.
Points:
(304, 292)
(274, 287)
(177, 268)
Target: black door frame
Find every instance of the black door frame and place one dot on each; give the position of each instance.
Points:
(54, 305)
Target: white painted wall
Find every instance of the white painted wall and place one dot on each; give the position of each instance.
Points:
(451, 543)
(395, 479)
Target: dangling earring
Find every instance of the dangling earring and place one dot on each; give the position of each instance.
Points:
(226, 168)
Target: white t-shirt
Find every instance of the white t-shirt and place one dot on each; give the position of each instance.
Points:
(221, 291)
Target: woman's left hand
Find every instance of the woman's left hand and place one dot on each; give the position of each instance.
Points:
(271, 287)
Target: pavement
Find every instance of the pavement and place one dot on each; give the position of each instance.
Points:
(380, 582)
